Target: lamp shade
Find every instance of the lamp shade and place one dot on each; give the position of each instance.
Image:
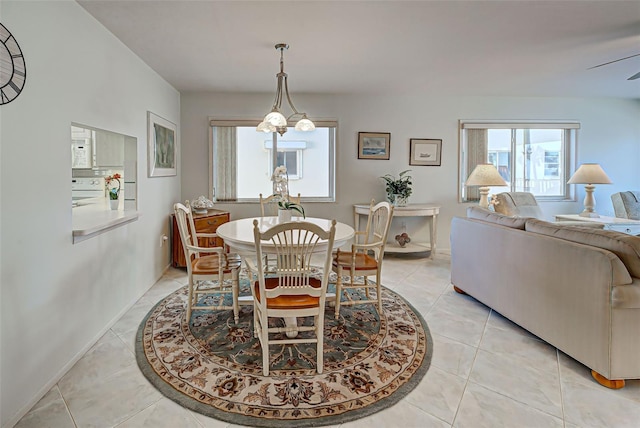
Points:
(589, 173)
(485, 174)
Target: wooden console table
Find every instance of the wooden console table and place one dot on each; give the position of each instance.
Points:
(428, 211)
(204, 223)
(624, 225)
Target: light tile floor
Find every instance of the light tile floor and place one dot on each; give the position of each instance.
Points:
(485, 372)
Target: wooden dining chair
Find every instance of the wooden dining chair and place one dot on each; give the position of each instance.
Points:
(292, 290)
(212, 273)
(269, 204)
(364, 259)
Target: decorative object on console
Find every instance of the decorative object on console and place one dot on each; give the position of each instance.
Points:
(374, 145)
(403, 239)
(589, 174)
(162, 146)
(398, 189)
(425, 152)
(485, 175)
(201, 205)
(275, 120)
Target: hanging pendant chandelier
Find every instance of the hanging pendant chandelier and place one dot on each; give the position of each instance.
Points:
(275, 120)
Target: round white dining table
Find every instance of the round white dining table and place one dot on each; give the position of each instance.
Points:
(238, 234)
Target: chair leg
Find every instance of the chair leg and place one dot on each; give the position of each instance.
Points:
(320, 344)
(256, 326)
(190, 300)
(366, 289)
(379, 295)
(235, 285)
(264, 342)
(338, 291)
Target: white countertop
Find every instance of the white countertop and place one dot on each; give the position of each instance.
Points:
(93, 219)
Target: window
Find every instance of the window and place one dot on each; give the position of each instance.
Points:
(290, 154)
(531, 157)
(242, 161)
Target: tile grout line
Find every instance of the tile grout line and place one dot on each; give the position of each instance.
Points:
(66, 406)
(475, 356)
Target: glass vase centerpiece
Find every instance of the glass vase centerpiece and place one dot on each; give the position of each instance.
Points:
(398, 189)
(280, 180)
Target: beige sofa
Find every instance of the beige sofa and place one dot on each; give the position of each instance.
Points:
(576, 288)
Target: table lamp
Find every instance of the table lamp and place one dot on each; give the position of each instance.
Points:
(485, 175)
(589, 174)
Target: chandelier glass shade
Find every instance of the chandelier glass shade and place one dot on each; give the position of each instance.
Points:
(276, 120)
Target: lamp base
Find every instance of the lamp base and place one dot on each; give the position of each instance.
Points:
(484, 197)
(589, 214)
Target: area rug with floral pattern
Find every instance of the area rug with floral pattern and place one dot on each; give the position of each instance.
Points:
(213, 366)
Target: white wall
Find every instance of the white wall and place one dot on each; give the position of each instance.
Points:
(610, 135)
(58, 298)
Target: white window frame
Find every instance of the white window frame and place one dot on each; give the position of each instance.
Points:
(288, 146)
(571, 129)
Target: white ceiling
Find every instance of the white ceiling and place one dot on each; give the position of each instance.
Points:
(484, 48)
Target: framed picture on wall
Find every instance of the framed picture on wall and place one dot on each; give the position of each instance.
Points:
(424, 152)
(162, 146)
(374, 145)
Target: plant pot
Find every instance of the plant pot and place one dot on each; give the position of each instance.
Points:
(397, 200)
(114, 203)
(284, 216)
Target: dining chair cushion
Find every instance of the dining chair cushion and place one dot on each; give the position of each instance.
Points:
(289, 301)
(363, 261)
(207, 264)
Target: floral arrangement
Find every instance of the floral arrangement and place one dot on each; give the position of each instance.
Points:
(280, 180)
(398, 186)
(113, 192)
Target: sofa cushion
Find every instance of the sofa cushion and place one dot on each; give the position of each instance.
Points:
(492, 217)
(626, 247)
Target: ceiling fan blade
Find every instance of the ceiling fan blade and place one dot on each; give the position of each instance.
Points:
(635, 76)
(611, 62)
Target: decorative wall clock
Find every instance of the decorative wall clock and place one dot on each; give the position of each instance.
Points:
(13, 72)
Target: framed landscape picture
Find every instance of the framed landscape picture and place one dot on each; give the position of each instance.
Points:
(425, 152)
(162, 146)
(374, 145)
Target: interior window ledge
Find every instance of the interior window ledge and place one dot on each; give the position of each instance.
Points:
(92, 220)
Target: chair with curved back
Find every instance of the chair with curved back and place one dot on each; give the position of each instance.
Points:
(518, 204)
(269, 204)
(626, 204)
(293, 290)
(364, 259)
(208, 274)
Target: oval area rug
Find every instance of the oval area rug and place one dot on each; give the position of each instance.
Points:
(214, 366)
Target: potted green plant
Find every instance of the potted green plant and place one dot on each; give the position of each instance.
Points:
(398, 189)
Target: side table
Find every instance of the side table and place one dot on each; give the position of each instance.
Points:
(428, 211)
(624, 225)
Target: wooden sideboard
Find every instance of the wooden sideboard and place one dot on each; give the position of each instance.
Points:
(205, 223)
